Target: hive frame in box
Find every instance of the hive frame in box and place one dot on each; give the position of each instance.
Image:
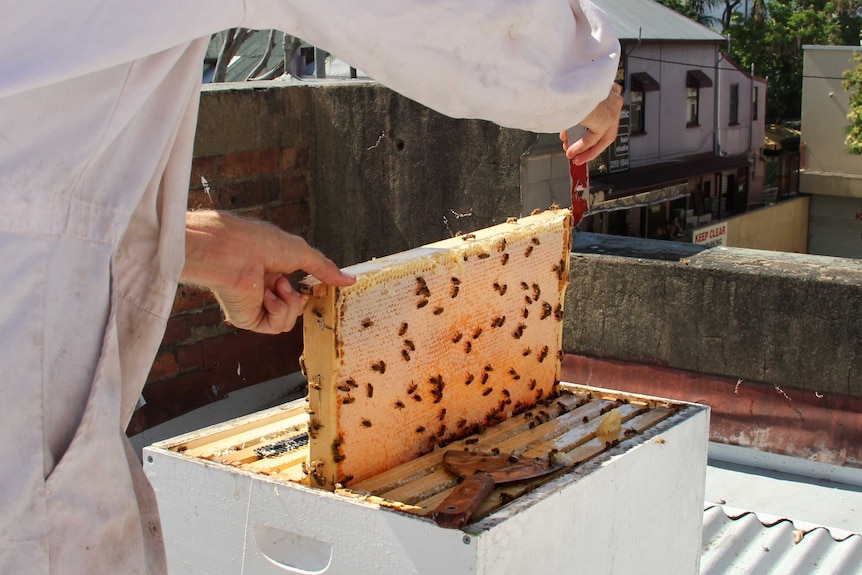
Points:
(636, 507)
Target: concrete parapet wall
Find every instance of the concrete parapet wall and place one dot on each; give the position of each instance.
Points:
(784, 319)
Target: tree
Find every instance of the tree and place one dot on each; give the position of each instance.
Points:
(697, 10)
(853, 84)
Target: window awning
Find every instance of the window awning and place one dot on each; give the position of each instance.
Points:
(697, 79)
(643, 82)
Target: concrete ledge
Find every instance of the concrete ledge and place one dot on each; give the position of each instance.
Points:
(789, 320)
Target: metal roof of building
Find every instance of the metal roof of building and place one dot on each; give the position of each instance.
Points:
(650, 21)
(737, 541)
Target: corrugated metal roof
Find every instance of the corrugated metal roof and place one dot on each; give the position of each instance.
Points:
(650, 21)
(736, 541)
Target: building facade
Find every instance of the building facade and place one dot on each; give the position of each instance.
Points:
(830, 174)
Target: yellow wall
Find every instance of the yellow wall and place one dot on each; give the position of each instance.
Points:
(781, 227)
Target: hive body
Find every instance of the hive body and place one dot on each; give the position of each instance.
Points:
(432, 344)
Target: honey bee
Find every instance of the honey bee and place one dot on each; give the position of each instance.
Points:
(554, 207)
(455, 281)
(558, 312)
(399, 404)
(421, 303)
(420, 429)
(411, 389)
(484, 256)
(366, 423)
(461, 423)
(477, 332)
(347, 479)
(380, 367)
(543, 353)
(501, 246)
(528, 251)
(533, 384)
(338, 457)
(484, 378)
(409, 345)
(526, 313)
(515, 375)
(511, 220)
(468, 347)
(546, 310)
(536, 212)
(519, 331)
(660, 440)
(528, 299)
(535, 241)
(422, 287)
(488, 367)
(438, 310)
(417, 397)
(559, 269)
(506, 393)
(366, 323)
(457, 337)
(405, 354)
(442, 414)
(469, 379)
(351, 382)
(498, 321)
(466, 237)
(317, 312)
(501, 289)
(526, 352)
(347, 400)
(504, 259)
(403, 329)
(344, 387)
(524, 286)
(488, 391)
(453, 291)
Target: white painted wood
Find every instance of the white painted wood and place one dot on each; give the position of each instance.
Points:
(635, 509)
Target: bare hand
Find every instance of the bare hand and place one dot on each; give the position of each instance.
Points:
(243, 261)
(601, 124)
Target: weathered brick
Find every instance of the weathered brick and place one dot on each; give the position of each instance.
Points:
(249, 193)
(295, 218)
(164, 366)
(190, 357)
(294, 188)
(245, 164)
(190, 297)
(208, 167)
(177, 330)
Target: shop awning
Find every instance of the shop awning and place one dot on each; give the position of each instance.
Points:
(698, 79)
(642, 199)
(643, 82)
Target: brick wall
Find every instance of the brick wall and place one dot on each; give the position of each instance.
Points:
(202, 358)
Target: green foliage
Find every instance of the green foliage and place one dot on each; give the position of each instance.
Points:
(853, 84)
(697, 10)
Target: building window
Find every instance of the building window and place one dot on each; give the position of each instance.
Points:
(692, 95)
(641, 83)
(733, 116)
(755, 102)
(695, 81)
(637, 112)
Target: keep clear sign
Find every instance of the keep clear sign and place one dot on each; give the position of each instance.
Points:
(714, 235)
(618, 159)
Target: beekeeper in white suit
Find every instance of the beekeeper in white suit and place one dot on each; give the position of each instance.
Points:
(98, 105)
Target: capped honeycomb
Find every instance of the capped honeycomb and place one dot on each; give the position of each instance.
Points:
(433, 344)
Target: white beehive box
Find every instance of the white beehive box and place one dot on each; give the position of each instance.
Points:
(629, 506)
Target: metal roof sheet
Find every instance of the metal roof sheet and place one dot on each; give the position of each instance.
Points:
(651, 21)
(736, 541)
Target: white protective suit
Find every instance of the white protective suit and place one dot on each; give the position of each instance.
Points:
(98, 105)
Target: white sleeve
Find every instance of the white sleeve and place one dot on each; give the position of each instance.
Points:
(539, 65)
